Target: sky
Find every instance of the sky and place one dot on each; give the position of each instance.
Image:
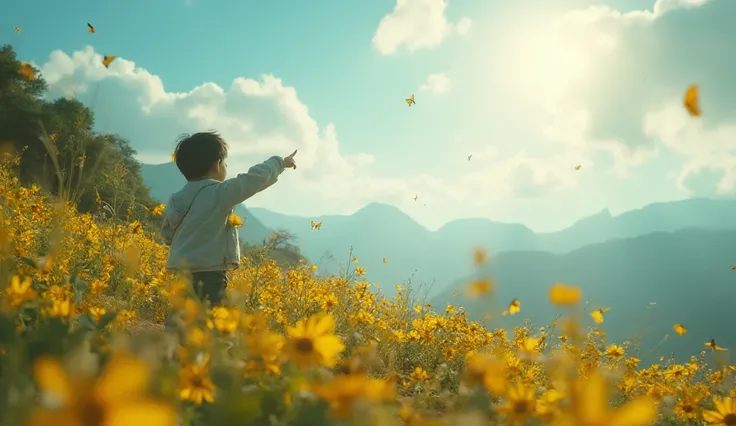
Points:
(531, 89)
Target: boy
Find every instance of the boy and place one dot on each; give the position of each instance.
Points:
(196, 223)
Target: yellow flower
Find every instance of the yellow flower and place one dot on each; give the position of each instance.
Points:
(313, 342)
(158, 210)
(590, 406)
(20, 291)
(419, 375)
(346, 389)
(195, 384)
(520, 403)
(96, 313)
(116, 398)
(724, 414)
(360, 271)
(615, 352)
(561, 294)
(235, 221)
(486, 370)
(478, 288)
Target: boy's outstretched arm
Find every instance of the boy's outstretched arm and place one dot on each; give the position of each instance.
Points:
(243, 186)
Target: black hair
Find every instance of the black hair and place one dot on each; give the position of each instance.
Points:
(195, 154)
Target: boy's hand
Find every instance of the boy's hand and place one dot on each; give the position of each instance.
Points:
(289, 161)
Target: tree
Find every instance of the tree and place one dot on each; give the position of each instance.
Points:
(62, 153)
(280, 247)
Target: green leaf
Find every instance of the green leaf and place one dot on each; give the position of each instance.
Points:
(85, 322)
(106, 320)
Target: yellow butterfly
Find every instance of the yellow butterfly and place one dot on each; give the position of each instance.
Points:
(514, 308)
(679, 329)
(107, 60)
(17, 29)
(712, 344)
(410, 101)
(597, 315)
(692, 101)
(27, 71)
(385, 260)
(90, 28)
(316, 225)
(578, 167)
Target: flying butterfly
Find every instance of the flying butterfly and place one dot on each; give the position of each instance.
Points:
(597, 315)
(107, 60)
(513, 309)
(316, 225)
(410, 101)
(415, 197)
(90, 28)
(692, 101)
(712, 344)
(578, 167)
(470, 156)
(385, 260)
(679, 329)
(27, 71)
(17, 29)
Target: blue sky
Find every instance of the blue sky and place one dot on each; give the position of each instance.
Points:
(530, 89)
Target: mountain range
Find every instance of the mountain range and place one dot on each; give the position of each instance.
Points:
(438, 258)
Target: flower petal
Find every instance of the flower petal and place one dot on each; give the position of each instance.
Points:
(52, 378)
(124, 378)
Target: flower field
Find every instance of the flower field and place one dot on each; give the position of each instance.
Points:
(82, 343)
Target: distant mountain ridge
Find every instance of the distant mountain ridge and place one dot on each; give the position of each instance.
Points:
(650, 282)
(379, 231)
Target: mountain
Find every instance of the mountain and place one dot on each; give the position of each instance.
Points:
(438, 258)
(378, 231)
(686, 274)
(165, 179)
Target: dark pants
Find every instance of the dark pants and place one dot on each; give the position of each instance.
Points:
(210, 286)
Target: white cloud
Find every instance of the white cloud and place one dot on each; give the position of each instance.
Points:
(703, 148)
(416, 24)
(595, 72)
(436, 83)
(264, 116)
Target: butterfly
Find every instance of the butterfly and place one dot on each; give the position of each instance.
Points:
(470, 156)
(733, 267)
(107, 60)
(415, 197)
(597, 315)
(27, 71)
(17, 29)
(514, 308)
(385, 260)
(90, 28)
(692, 101)
(712, 344)
(578, 167)
(679, 329)
(316, 225)
(410, 101)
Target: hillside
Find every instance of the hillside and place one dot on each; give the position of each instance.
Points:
(439, 257)
(686, 274)
(165, 179)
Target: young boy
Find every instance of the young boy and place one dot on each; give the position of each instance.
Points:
(196, 223)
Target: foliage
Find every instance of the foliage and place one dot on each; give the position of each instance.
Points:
(60, 152)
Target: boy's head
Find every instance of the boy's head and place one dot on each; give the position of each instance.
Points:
(201, 156)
